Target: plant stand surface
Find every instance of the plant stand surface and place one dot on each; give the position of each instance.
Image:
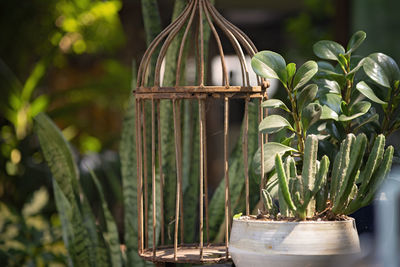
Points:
(188, 253)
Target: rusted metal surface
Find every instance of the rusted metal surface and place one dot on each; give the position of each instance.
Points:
(190, 25)
(188, 253)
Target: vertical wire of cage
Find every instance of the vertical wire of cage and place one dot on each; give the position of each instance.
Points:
(195, 15)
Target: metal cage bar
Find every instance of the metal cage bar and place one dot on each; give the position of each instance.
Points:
(197, 15)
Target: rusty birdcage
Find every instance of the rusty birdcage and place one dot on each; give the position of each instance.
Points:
(196, 15)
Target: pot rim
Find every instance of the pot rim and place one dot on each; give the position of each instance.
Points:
(246, 219)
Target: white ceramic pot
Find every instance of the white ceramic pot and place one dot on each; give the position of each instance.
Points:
(287, 244)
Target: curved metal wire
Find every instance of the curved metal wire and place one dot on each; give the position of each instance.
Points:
(207, 14)
(197, 15)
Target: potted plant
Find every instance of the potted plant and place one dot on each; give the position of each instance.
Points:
(306, 198)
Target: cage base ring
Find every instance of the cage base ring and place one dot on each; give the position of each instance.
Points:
(188, 253)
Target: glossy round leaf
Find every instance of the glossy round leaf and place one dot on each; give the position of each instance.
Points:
(328, 86)
(324, 65)
(333, 101)
(270, 150)
(304, 74)
(270, 65)
(328, 50)
(307, 95)
(382, 69)
(355, 41)
(274, 103)
(273, 124)
(367, 91)
(328, 114)
(311, 114)
(357, 110)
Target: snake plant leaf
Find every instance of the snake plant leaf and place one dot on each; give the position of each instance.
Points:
(270, 149)
(307, 95)
(311, 114)
(382, 69)
(355, 41)
(328, 50)
(275, 103)
(357, 110)
(65, 212)
(328, 86)
(65, 173)
(304, 74)
(367, 91)
(290, 70)
(328, 114)
(111, 233)
(273, 124)
(270, 65)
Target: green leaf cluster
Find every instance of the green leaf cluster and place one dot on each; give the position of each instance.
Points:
(88, 244)
(329, 103)
(349, 88)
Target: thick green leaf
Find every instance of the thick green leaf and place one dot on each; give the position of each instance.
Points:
(111, 233)
(291, 70)
(270, 65)
(307, 95)
(59, 158)
(275, 103)
(65, 212)
(368, 92)
(328, 86)
(270, 150)
(304, 74)
(333, 101)
(357, 110)
(311, 114)
(355, 41)
(382, 69)
(328, 50)
(328, 114)
(273, 124)
(331, 75)
(324, 65)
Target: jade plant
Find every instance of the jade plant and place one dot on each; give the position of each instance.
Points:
(327, 106)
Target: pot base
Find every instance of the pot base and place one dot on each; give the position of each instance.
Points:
(286, 244)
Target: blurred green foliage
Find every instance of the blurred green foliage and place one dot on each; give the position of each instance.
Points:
(40, 71)
(27, 238)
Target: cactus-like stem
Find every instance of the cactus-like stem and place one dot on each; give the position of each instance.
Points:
(379, 176)
(335, 175)
(344, 158)
(321, 198)
(283, 185)
(373, 163)
(309, 172)
(310, 162)
(288, 165)
(321, 175)
(357, 154)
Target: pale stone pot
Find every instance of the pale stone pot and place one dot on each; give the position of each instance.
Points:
(287, 244)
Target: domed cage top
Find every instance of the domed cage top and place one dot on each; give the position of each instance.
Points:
(197, 15)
